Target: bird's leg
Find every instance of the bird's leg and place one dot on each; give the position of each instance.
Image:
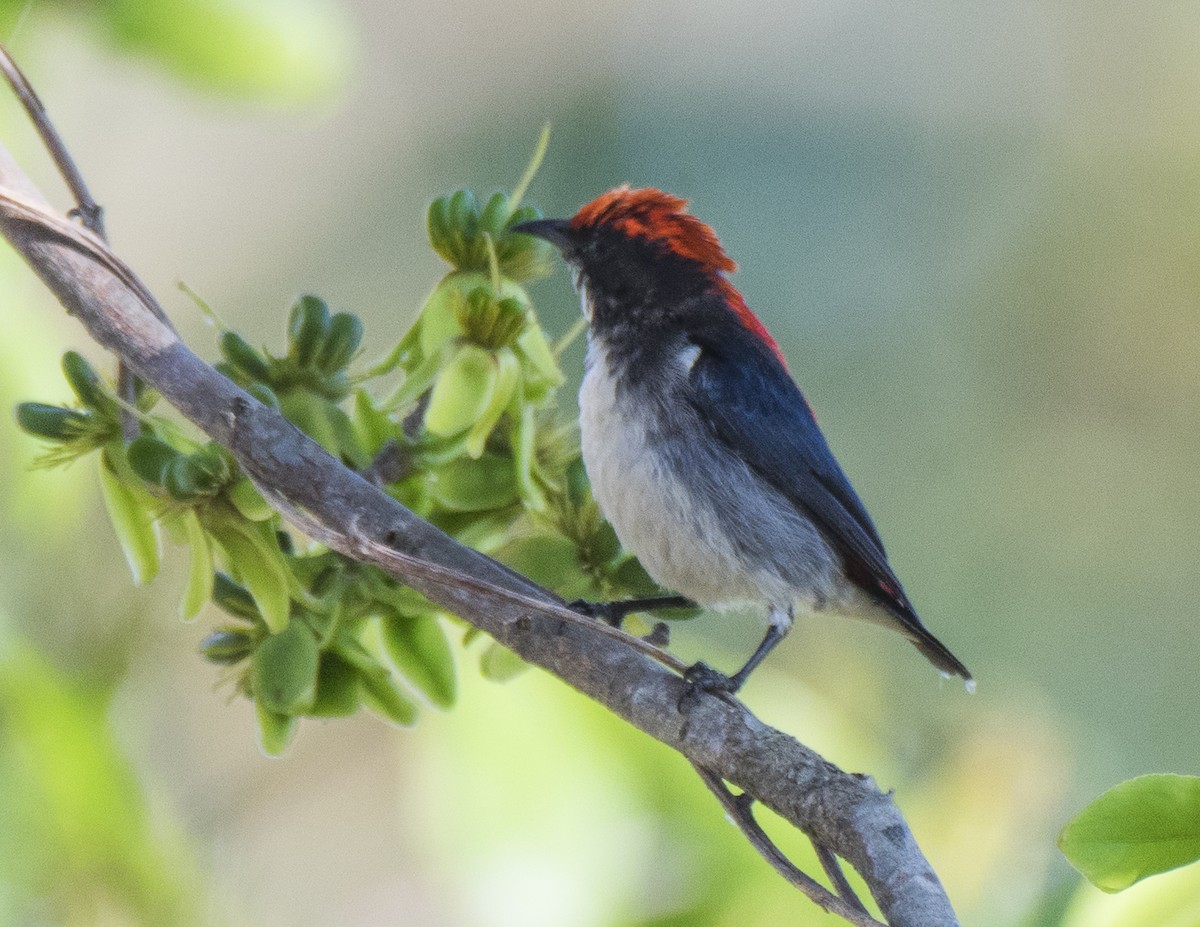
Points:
(614, 613)
(703, 677)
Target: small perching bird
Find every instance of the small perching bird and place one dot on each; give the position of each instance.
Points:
(701, 450)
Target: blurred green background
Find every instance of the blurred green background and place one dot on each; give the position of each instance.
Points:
(972, 229)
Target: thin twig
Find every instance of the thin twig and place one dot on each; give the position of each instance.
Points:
(91, 213)
(738, 809)
(833, 868)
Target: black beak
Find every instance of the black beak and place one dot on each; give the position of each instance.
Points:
(556, 231)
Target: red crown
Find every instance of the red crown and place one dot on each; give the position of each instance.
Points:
(657, 216)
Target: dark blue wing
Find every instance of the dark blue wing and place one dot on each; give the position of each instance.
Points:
(755, 408)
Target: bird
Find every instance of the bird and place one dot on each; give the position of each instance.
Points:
(701, 450)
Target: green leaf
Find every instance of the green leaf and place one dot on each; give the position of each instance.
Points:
(418, 647)
(466, 485)
(54, 423)
(200, 568)
(234, 598)
(380, 689)
(338, 691)
(283, 51)
(462, 392)
(149, 458)
(249, 503)
(259, 565)
(285, 668)
(275, 731)
(308, 324)
(243, 356)
(227, 646)
(499, 664)
(86, 383)
(1139, 828)
(136, 530)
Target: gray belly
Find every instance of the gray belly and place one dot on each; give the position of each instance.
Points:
(699, 520)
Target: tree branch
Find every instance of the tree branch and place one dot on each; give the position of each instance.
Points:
(844, 813)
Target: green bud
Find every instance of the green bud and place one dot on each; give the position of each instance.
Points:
(523, 257)
(149, 457)
(227, 646)
(488, 321)
(345, 335)
(308, 326)
(494, 217)
(54, 423)
(437, 223)
(337, 689)
(216, 465)
(284, 671)
(275, 731)
(86, 383)
(243, 357)
(234, 598)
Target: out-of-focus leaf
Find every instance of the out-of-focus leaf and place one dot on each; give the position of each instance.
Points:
(285, 670)
(259, 565)
(418, 647)
(249, 502)
(136, 530)
(281, 51)
(337, 689)
(1139, 828)
(463, 391)
(200, 568)
(499, 664)
(275, 731)
(466, 485)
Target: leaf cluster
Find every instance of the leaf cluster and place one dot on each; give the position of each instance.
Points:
(459, 422)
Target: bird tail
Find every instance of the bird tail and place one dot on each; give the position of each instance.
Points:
(938, 654)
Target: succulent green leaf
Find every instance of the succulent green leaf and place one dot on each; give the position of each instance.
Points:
(248, 501)
(499, 664)
(200, 567)
(338, 690)
(418, 648)
(284, 670)
(345, 335)
(86, 383)
(184, 479)
(275, 731)
(308, 326)
(462, 392)
(466, 485)
(259, 564)
(227, 646)
(54, 423)
(542, 370)
(149, 458)
(234, 598)
(137, 532)
(244, 357)
(508, 379)
(1139, 828)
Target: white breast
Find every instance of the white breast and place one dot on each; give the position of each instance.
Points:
(676, 536)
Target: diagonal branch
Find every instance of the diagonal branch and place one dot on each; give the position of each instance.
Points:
(845, 813)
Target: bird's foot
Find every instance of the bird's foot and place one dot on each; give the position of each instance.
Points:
(700, 677)
(608, 612)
